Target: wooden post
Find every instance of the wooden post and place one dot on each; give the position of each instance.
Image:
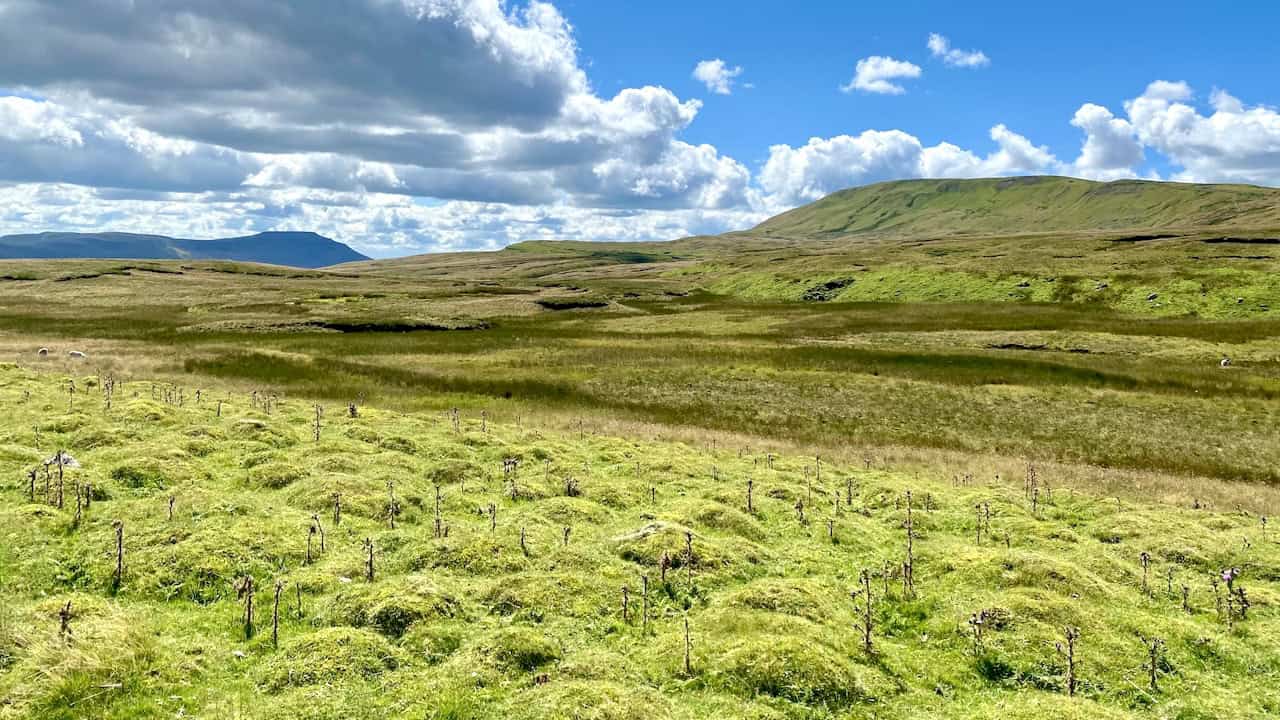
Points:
(908, 567)
(1072, 634)
(688, 649)
(438, 523)
(393, 507)
(315, 522)
(644, 580)
(865, 593)
(688, 555)
(119, 573)
(246, 591)
(311, 533)
(275, 616)
(60, 479)
(1155, 651)
(64, 622)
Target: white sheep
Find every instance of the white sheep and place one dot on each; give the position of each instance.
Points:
(1226, 363)
(76, 355)
(43, 352)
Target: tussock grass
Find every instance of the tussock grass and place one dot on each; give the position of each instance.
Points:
(469, 624)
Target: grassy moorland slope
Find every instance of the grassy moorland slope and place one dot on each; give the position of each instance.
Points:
(1012, 206)
(1141, 248)
(507, 601)
(638, 388)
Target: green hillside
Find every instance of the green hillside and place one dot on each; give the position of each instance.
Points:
(919, 208)
(1136, 247)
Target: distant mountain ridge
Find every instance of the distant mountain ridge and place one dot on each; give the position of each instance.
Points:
(295, 249)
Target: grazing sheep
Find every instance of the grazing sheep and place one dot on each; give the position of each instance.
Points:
(1226, 362)
(76, 355)
(43, 352)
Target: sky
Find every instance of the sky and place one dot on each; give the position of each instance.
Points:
(411, 126)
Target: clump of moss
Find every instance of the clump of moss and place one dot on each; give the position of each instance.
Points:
(144, 411)
(397, 443)
(392, 608)
(572, 511)
(19, 454)
(797, 598)
(327, 656)
(521, 648)
(477, 555)
(70, 422)
(263, 432)
(125, 652)
(435, 642)
(798, 669)
(92, 438)
(451, 472)
(535, 595)
(363, 434)
(276, 475)
(593, 700)
(142, 473)
(647, 545)
(722, 517)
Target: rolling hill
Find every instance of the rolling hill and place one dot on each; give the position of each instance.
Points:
(1139, 247)
(920, 208)
(297, 249)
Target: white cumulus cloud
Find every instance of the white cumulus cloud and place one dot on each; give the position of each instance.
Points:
(716, 75)
(797, 175)
(877, 74)
(1111, 148)
(469, 101)
(1234, 143)
(941, 48)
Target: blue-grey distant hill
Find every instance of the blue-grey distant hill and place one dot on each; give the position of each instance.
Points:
(296, 249)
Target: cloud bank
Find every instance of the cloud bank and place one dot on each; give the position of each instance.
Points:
(418, 125)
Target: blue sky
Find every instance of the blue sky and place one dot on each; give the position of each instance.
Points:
(410, 126)
(1046, 60)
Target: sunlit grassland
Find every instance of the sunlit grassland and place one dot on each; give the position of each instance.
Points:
(1057, 382)
(660, 391)
(466, 624)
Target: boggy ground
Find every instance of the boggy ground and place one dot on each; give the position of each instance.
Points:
(460, 622)
(1060, 382)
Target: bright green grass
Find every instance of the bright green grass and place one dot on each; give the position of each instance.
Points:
(1069, 382)
(469, 626)
(1026, 204)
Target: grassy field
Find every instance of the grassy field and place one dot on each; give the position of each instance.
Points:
(1052, 382)
(459, 621)
(941, 349)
